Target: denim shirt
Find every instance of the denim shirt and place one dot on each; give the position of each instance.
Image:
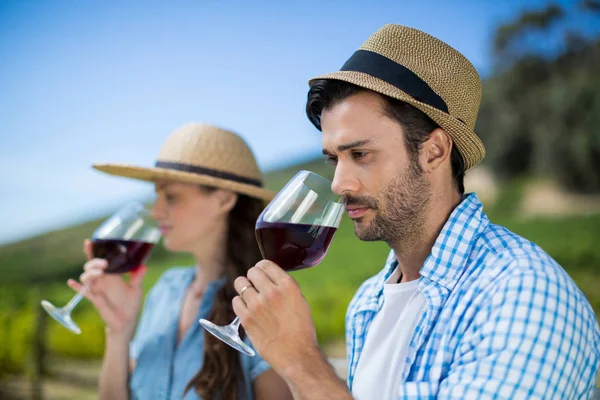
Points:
(163, 366)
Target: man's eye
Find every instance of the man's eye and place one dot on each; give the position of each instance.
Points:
(357, 155)
(332, 160)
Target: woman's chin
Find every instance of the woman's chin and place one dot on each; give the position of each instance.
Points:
(175, 246)
(170, 244)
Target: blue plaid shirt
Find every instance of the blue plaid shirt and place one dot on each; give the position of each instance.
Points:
(503, 319)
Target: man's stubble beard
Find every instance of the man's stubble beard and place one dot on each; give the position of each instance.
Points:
(400, 215)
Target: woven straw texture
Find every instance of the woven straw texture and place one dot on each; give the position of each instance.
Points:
(204, 146)
(446, 71)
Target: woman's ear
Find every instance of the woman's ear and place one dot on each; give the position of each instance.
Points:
(226, 199)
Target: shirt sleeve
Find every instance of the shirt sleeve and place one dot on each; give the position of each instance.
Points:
(256, 364)
(533, 339)
(144, 322)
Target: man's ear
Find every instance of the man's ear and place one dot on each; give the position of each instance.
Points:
(436, 150)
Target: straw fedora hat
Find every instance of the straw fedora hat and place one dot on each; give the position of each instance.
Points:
(414, 67)
(202, 154)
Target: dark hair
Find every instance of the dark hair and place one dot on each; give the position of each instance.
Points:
(221, 375)
(325, 93)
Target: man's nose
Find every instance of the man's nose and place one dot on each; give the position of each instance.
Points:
(344, 180)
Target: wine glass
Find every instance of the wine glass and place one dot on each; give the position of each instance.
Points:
(125, 240)
(294, 231)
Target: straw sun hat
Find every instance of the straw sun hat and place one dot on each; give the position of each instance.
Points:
(414, 67)
(202, 154)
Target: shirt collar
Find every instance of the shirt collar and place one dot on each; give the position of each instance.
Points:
(451, 250)
(452, 247)
(188, 277)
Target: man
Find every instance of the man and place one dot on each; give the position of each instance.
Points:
(463, 308)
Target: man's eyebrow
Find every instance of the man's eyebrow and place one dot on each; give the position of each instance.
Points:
(351, 145)
(348, 146)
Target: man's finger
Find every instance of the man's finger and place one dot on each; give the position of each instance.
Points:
(260, 279)
(245, 289)
(239, 308)
(273, 271)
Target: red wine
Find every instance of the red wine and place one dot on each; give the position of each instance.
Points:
(293, 246)
(122, 255)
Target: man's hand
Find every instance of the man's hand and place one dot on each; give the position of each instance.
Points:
(275, 315)
(277, 319)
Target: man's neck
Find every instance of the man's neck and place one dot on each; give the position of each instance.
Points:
(412, 252)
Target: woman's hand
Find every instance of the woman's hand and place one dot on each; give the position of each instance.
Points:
(118, 302)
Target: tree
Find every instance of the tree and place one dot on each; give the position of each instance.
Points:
(539, 107)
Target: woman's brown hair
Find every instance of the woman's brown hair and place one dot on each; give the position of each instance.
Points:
(221, 375)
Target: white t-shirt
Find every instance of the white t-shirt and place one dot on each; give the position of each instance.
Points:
(379, 371)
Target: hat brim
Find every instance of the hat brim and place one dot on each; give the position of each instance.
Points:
(468, 143)
(156, 174)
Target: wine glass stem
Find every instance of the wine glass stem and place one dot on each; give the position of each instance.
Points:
(75, 300)
(235, 324)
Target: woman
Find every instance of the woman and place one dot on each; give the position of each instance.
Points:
(209, 195)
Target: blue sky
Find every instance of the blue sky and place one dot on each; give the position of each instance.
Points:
(92, 81)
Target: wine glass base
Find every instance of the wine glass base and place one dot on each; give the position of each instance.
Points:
(228, 335)
(61, 316)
